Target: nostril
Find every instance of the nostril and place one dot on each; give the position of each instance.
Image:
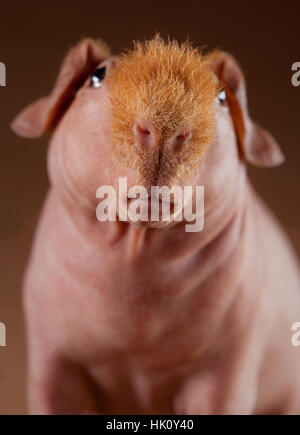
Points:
(142, 131)
(143, 134)
(181, 139)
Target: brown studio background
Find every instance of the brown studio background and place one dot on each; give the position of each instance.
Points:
(264, 36)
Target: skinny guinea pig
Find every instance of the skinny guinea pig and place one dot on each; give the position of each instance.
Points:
(137, 318)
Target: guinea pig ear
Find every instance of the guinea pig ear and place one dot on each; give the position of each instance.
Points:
(257, 145)
(44, 114)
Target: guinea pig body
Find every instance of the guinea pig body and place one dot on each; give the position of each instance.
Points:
(125, 317)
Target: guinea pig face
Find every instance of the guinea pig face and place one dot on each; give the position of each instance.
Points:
(150, 115)
(157, 115)
(161, 114)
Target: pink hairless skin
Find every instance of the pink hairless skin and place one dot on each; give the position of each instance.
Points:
(129, 318)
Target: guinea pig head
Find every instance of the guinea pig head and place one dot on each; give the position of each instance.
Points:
(160, 114)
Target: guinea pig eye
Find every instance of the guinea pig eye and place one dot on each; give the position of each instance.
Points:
(97, 77)
(222, 96)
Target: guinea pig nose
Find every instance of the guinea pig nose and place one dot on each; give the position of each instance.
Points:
(144, 133)
(180, 140)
